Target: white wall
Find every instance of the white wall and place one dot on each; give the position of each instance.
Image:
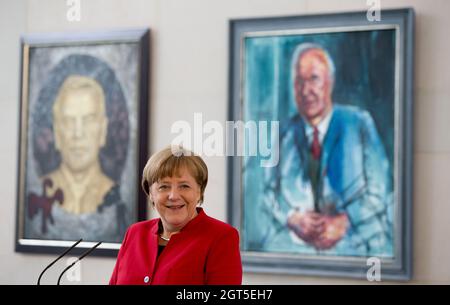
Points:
(195, 80)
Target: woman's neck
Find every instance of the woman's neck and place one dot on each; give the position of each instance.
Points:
(168, 230)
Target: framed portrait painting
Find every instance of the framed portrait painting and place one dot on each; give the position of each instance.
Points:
(337, 198)
(83, 139)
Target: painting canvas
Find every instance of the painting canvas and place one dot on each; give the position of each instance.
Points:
(83, 138)
(338, 197)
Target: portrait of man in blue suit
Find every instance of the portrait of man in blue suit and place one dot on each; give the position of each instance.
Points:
(330, 193)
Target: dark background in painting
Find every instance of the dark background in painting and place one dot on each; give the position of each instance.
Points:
(365, 74)
(364, 77)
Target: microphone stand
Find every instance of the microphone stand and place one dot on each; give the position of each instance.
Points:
(57, 259)
(79, 259)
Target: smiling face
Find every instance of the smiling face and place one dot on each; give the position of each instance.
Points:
(176, 198)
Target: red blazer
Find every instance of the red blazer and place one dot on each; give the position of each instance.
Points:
(205, 251)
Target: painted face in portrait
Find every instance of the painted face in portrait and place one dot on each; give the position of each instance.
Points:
(313, 86)
(80, 126)
(176, 198)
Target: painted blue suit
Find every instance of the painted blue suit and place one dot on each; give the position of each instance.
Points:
(354, 178)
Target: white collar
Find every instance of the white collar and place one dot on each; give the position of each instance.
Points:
(322, 127)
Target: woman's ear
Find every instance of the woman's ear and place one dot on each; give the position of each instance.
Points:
(150, 197)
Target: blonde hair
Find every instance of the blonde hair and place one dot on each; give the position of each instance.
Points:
(170, 161)
(78, 82)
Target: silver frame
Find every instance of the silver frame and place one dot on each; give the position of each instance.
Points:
(141, 36)
(402, 20)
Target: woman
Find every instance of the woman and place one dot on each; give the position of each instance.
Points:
(184, 245)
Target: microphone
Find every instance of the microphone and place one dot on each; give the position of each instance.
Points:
(79, 259)
(57, 259)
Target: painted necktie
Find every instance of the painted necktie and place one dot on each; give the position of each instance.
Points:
(315, 146)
